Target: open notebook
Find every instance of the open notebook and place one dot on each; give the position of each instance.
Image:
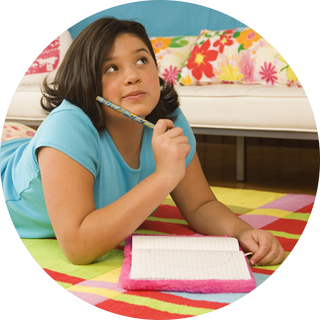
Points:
(181, 263)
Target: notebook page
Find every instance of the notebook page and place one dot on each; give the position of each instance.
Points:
(185, 243)
(163, 264)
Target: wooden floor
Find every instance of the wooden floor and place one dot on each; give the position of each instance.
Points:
(277, 166)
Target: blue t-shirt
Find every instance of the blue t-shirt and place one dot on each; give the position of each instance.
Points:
(68, 129)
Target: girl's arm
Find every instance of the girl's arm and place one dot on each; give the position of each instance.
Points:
(84, 233)
(206, 215)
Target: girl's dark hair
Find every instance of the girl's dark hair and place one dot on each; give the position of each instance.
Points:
(78, 79)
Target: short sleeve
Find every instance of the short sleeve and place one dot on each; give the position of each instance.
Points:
(70, 130)
(182, 122)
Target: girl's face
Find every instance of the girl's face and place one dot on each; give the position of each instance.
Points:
(130, 77)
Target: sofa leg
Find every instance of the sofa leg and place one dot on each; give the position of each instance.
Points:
(241, 159)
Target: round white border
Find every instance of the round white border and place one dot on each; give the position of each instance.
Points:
(290, 293)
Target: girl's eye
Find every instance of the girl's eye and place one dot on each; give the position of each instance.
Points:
(111, 68)
(142, 60)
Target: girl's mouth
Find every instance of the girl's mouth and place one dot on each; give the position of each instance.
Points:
(134, 95)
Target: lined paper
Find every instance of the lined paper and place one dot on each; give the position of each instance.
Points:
(187, 258)
(185, 243)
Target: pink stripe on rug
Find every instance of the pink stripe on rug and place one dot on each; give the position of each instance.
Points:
(91, 298)
(258, 221)
(102, 284)
(290, 202)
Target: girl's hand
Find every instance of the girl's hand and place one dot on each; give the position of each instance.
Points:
(265, 247)
(170, 148)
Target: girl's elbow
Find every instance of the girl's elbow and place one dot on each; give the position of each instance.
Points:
(76, 254)
(79, 250)
(77, 258)
(82, 255)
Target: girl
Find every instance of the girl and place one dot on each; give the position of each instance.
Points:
(91, 176)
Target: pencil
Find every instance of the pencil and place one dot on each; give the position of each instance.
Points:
(125, 112)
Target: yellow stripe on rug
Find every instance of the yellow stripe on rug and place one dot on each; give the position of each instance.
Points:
(270, 212)
(245, 198)
(107, 293)
(111, 276)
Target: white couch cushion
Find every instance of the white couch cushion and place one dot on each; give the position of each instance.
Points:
(253, 107)
(247, 107)
(25, 106)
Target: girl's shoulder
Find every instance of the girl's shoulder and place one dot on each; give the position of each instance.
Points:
(67, 117)
(180, 119)
(68, 129)
(68, 109)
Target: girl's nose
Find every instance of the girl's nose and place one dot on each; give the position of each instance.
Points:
(132, 77)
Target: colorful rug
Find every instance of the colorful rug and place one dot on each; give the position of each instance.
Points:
(284, 215)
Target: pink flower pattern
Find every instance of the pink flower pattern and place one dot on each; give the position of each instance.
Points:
(246, 67)
(268, 73)
(170, 75)
(13, 132)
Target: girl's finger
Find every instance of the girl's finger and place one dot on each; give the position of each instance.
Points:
(162, 126)
(274, 256)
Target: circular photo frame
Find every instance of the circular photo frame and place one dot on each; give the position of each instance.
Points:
(230, 82)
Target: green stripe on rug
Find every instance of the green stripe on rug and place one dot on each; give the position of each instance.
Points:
(298, 216)
(285, 234)
(64, 284)
(161, 305)
(178, 221)
(239, 210)
(144, 231)
(49, 255)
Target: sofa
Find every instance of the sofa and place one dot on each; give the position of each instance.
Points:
(230, 81)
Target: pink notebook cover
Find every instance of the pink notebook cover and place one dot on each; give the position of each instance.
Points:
(194, 286)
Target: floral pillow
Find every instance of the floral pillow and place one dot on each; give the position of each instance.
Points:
(235, 56)
(13, 130)
(171, 54)
(48, 61)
